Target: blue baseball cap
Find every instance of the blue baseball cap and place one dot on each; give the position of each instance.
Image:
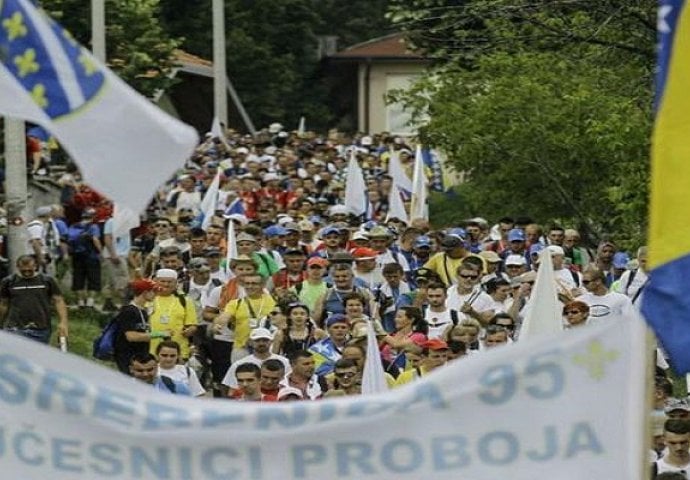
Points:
(620, 260)
(422, 241)
(536, 248)
(516, 235)
(330, 230)
(275, 231)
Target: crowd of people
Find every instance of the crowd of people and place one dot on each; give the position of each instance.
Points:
(281, 311)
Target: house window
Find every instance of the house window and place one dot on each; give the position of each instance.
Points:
(397, 118)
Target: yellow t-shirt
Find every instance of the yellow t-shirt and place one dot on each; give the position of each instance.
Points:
(444, 265)
(410, 375)
(169, 314)
(238, 308)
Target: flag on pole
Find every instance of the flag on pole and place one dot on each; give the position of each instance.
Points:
(432, 161)
(544, 314)
(209, 203)
(666, 303)
(301, 127)
(235, 207)
(397, 173)
(124, 145)
(418, 207)
(356, 199)
(231, 243)
(396, 207)
(373, 376)
(217, 129)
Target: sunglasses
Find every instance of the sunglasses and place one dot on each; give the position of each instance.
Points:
(587, 282)
(345, 374)
(473, 277)
(572, 312)
(277, 312)
(507, 327)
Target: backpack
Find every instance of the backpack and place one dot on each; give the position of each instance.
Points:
(78, 238)
(104, 344)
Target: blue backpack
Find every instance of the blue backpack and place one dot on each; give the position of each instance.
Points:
(104, 345)
(78, 238)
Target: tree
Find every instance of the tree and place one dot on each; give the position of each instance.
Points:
(545, 135)
(138, 49)
(463, 30)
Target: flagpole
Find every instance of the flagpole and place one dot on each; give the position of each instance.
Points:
(98, 29)
(16, 189)
(220, 98)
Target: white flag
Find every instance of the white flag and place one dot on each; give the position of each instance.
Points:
(124, 145)
(217, 129)
(355, 189)
(301, 127)
(373, 376)
(124, 220)
(397, 172)
(418, 207)
(541, 409)
(231, 243)
(544, 313)
(209, 203)
(396, 206)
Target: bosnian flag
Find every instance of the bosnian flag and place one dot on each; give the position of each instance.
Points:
(124, 145)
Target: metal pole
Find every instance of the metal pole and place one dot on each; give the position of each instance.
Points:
(220, 97)
(240, 107)
(98, 29)
(16, 190)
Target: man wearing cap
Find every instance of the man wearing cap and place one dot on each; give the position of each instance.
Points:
(274, 238)
(516, 265)
(134, 334)
(200, 284)
(445, 263)
(434, 355)
(328, 350)
(249, 245)
(173, 312)
(366, 267)
(260, 340)
(633, 282)
(517, 243)
(380, 239)
(307, 236)
(292, 239)
(330, 245)
(313, 286)
(493, 264)
(213, 257)
(83, 239)
(44, 239)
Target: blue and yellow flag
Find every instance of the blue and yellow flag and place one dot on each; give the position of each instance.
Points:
(124, 145)
(666, 300)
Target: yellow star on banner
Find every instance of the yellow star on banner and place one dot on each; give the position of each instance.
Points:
(15, 26)
(595, 359)
(26, 62)
(89, 66)
(38, 93)
(68, 36)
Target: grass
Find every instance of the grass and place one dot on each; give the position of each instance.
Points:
(84, 327)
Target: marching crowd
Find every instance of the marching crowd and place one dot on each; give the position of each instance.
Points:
(281, 311)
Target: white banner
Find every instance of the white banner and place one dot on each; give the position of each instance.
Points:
(567, 407)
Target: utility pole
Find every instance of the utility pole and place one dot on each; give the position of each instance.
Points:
(98, 29)
(16, 190)
(220, 96)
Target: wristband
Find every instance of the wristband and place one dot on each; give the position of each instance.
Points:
(157, 334)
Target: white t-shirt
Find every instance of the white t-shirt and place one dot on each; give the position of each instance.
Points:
(607, 307)
(186, 375)
(638, 281)
(662, 466)
(231, 381)
(438, 322)
(481, 303)
(566, 278)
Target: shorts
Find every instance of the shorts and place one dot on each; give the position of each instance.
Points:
(86, 273)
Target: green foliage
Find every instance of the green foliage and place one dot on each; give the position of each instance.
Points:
(545, 106)
(138, 49)
(272, 49)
